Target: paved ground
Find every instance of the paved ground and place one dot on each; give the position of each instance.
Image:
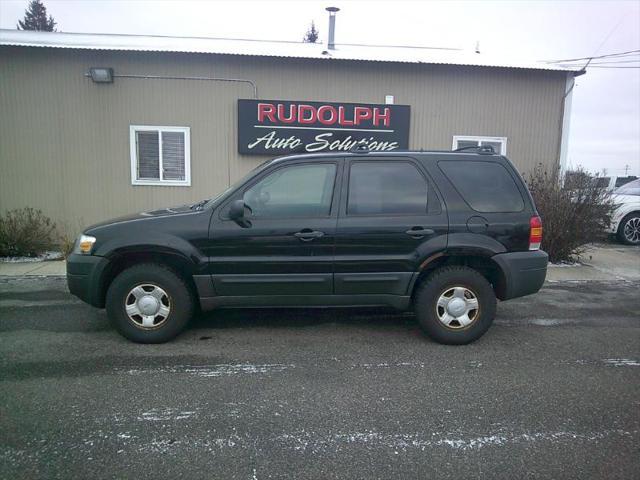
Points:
(551, 391)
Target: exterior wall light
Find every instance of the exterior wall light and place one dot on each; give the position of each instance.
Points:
(101, 75)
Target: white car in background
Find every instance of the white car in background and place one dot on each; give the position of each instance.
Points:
(626, 218)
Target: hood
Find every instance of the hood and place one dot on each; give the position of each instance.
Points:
(163, 212)
(625, 199)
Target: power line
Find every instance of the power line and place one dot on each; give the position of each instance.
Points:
(592, 58)
(600, 66)
(620, 59)
(616, 62)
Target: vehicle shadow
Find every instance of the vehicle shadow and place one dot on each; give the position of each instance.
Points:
(231, 318)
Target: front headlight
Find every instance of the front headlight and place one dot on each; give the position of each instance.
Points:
(84, 244)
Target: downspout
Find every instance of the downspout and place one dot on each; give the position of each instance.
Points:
(565, 119)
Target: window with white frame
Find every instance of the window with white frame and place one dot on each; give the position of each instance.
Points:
(160, 155)
(499, 144)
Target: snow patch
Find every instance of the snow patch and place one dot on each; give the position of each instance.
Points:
(621, 362)
(215, 370)
(165, 414)
(44, 257)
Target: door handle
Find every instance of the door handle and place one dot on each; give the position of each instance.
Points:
(418, 232)
(307, 235)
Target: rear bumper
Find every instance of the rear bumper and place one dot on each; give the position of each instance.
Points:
(84, 277)
(524, 273)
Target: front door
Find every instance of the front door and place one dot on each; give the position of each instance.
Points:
(286, 245)
(391, 219)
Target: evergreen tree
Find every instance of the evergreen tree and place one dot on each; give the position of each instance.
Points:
(35, 18)
(312, 34)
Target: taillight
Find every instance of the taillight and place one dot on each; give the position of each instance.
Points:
(535, 233)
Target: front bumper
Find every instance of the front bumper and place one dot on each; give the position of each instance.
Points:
(84, 277)
(524, 272)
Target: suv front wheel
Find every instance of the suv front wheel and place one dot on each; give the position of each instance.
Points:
(149, 303)
(455, 305)
(629, 229)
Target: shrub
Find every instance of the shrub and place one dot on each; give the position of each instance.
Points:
(26, 232)
(65, 245)
(574, 213)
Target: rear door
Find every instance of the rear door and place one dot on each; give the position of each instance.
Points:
(390, 220)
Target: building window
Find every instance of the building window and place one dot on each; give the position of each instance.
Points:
(499, 144)
(160, 155)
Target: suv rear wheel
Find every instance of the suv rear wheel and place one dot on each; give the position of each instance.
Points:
(149, 303)
(455, 305)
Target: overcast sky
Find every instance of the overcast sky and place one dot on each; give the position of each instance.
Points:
(605, 122)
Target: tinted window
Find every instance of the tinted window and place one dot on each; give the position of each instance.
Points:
(377, 188)
(296, 191)
(631, 188)
(485, 186)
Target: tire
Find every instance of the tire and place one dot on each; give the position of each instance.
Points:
(629, 229)
(445, 284)
(159, 303)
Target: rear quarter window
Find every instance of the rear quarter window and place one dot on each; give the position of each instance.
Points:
(486, 186)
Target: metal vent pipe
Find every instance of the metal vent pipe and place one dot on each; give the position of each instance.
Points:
(331, 42)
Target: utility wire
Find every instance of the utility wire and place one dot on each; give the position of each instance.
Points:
(621, 59)
(617, 62)
(600, 66)
(593, 58)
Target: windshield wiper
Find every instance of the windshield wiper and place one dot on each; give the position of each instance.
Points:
(199, 205)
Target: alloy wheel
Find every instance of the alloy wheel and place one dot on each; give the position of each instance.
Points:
(631, 230)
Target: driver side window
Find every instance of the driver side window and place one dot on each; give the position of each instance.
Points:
(295, 191)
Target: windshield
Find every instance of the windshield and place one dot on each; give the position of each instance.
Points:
(234, 185)
(631, 188)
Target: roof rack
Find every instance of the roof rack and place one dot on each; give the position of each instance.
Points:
(481, 150)
(359, 148)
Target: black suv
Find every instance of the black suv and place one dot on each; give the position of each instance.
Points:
(444, 233)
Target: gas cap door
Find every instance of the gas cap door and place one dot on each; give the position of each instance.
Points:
(477, 224)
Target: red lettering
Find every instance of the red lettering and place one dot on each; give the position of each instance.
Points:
(386, 117)
(360, 114)
(321, 115)
(341, 120)
(266, 110)
(292, 114)
(302, 109)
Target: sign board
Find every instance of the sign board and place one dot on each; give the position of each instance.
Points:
(276, 127)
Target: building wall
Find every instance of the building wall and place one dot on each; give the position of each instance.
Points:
(64, 141)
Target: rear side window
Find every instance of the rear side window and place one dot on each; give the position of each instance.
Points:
(486, 186)
(386, 188)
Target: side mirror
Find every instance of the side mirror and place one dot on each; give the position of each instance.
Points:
(236, 213)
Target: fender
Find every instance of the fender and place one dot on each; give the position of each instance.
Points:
(473, 244)
(157, 244)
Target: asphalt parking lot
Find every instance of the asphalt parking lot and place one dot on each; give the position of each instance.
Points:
(551, 391)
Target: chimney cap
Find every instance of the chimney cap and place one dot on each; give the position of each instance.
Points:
(332, 9)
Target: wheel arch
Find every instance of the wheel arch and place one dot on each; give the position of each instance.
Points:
(120, 260)
(478, 260)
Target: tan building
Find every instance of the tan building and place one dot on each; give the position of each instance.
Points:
(95, 126)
